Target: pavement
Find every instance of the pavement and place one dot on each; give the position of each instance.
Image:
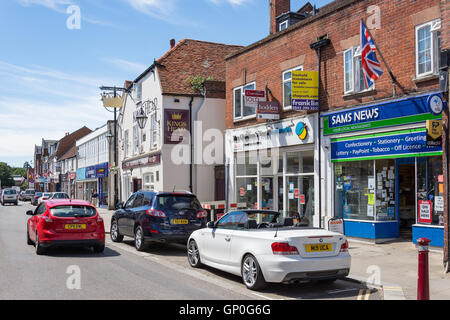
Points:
(390, 267)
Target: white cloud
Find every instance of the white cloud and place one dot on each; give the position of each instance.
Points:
(232, 2)
(156, 8)
(129, 66)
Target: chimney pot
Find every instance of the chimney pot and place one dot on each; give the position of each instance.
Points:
(172, 43)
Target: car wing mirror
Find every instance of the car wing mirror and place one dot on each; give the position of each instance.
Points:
(30, 213)
(211, 225)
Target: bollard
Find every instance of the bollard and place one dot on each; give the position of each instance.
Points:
(423, 284)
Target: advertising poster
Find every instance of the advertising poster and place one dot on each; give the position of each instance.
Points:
(425, 207)
(305, 90)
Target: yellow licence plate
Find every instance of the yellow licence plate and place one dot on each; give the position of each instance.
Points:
(318, 247)
(179, 221)
(75, 226)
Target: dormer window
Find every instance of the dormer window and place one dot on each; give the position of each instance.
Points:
(283, 25)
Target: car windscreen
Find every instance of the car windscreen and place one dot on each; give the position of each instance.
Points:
(47, 195)
(60, 196)
(38, 194)
(177, 202)
(29, 192)
(72, 211)
(260, 217)
(11, 191)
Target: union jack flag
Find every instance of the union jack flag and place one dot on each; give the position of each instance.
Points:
(370, 64)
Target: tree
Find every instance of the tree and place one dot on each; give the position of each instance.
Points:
(6, 175)
(19, 172)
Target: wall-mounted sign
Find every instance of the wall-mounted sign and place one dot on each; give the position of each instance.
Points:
(301, 130)
(393, 113)
(305, 90)
(253, 97)
(435, 104)
(175, 120)
(101, 170)
(434, 132)
(411, 143)
(336, 225)
(425, 211)
(142, 162)
(268, 110)
(90, 173)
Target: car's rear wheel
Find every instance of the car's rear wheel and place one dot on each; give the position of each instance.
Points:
(251, 273)
(139, 241)
(39, 249)
(194, 255)
(99, 248)
(114, 232)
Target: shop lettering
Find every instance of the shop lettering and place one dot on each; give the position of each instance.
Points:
(355, 117)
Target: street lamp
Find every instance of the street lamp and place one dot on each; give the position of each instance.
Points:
(110, 138)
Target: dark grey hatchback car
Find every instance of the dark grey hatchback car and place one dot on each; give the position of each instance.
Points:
(157, 217)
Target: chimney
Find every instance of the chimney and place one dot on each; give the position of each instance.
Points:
(172, 43)
(277, 8)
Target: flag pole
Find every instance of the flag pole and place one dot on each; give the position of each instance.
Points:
(394, 79)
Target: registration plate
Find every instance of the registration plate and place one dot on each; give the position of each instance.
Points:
(318, 247)
(179, 221)
(75, 226)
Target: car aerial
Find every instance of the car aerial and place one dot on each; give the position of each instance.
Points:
(29, 193)
(59, 195)
(261, 246)
(157, 217)
(63, 223)
(35, 198)
(45, 196)
(9, 196)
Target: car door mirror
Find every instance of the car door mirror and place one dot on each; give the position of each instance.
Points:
(211, 225)
(30, 213)
(120, 205)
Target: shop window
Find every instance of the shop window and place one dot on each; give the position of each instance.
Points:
(430, 189)
(355, 190)
(300, 162)
(385, 190)
(287, 86)
(246, 163)
(428, 46)
(247, 191)
(271, 162)
(241, 111)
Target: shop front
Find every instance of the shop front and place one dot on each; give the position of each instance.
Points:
(273, 166)
(101, 172)
(387, 179)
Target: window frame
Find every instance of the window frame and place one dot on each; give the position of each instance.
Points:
(434, 47)
(242, 117)
(283, 81)
(355, 72)
(153, 131)
(281, 24)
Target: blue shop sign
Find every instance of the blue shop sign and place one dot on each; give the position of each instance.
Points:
(81, 174)
(397, 144)
(90, 172)
(101, 170)
(392, 113)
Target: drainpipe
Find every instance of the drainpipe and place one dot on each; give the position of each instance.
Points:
(191, 132)
(196, 112)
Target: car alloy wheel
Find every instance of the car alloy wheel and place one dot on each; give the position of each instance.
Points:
(251, 273)
(139, 239)
(194, 254)
(115, 236)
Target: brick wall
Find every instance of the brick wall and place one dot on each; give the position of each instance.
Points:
(277, 8)
(265, 60)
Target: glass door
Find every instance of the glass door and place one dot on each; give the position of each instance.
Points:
(300, 191)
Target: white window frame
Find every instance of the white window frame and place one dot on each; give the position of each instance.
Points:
(435, 28)
(242, 117)
(139, 92)
(355, 72)
(126, 142)
(135, 139)
(283, 81)
(150, 184)
(284, 23)
(153, 131)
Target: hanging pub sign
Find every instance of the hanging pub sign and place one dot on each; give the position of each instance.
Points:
(305, 90)
(434, 133)
(269, 110)
(175, 120)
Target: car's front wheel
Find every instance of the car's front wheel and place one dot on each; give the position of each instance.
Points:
(114, 232)
(251, 273)
(139, 241)
(194, 255)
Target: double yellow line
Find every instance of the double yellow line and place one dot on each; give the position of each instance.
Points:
(364, 293)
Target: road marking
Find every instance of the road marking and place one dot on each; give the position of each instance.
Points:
(264, 297)
(192, 273)
(341, 290)
(364, 292)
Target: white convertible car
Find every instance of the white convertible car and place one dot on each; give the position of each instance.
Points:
(261, 246)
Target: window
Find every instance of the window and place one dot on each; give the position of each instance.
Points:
(138, 201)
(233, 220)
(135, 139)
(283, 25)
(139, 92)
(153, 131)
(241, 111)
(129, 203)
(126, 143)
(287, 86)
(149, 182)
(353, 71)
(428, 46)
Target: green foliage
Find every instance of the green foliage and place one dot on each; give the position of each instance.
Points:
(198, 82)
(6, 175)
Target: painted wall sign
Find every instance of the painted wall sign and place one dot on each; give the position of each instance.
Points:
(142, 162)
(175, 120)
(398, 144)
(305, 90)
(393, 113)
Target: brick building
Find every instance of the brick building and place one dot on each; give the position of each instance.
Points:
(379, 192)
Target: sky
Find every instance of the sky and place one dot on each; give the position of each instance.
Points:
(51, 66)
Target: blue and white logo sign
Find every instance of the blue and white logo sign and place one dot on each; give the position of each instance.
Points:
(435, 104)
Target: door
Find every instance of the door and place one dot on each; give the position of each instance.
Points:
(137, 185)
(133, 212)
(122, 216)
(406, 202)
(300, 191)
(34, 220)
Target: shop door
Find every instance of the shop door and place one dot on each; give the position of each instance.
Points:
(300, 191)
(406, 205)
(137, 185)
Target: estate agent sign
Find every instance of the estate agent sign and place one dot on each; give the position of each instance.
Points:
(305, 90)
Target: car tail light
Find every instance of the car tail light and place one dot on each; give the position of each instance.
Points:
(99, 219)
(344, 246)
(202, 214)
(283, 248)
(47, 219)
(156, 213)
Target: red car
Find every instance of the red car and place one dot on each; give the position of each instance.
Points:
(61, 223)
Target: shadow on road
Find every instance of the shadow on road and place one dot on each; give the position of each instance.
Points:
(80, 253)
(162, 249)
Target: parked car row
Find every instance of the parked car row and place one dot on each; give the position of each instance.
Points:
(41, 196)
(261, 246)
